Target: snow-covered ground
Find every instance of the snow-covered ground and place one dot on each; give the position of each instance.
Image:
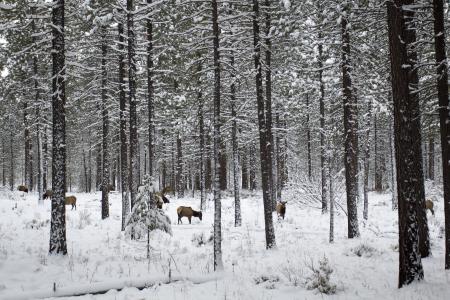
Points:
(101, 257)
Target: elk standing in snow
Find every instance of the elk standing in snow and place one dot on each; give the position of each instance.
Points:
(187, 211)
(281, 209)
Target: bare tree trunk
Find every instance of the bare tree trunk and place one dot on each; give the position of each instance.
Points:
(268, 204)
(351, 130)
(105, 146)
(268, 107)
(223, 166)
(218, 264)
(58, 243)
(431, 157)
(150, 91)
(393, 169)
(308, 137)
(46, 155)
(3, 162)
(442, 84)
(134, 145)
(202, 141)
(234, 138)
(245, 169)
(367, 162)
(180, 181)
(208, 170)
(330, 178)
(253, 183)
(11, 154)
(28, 148)
(408, 147)
(322, 124)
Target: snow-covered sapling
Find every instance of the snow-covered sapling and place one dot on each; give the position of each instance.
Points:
(145, 217)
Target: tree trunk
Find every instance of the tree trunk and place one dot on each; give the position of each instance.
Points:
(407, 144)
(431, 157)
(223, 182)
(98, 162)
(393, 170)
(218, 264)
(180, 184)
(150, 91)
(134, 146)
(58, 243)
(268, 107)
(202, 141)
(330, 178)
(208, 171)
(263, 149)
(367, 162)
(234, 138)
(11, 155)
(46, 155)
(379, 157)
(105, 146)
(252, 159)
(442, 86)
(322, 125)
(351, 130)
(28, 148)
(90, 162)
(3, 162)
(308, 138)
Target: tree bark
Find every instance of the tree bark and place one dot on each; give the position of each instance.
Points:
(58, 243)
(150, 91)
(201, 126)
(180, 184)
(322, 125)
(308, 138)
(268, 205)
(11, 155)
(351, 129)
(134, 146)
(252, 160)
(407, 143)
(442, 86)
(268, 107)
(431, 157)
(218, 264)
(105, 146)
(367, 162)
(28, 148)
(234, 138)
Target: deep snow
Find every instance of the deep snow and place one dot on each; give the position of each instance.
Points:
(101, 257)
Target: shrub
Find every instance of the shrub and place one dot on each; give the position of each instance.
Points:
(320, 278)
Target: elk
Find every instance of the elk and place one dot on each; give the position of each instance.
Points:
(22, 188)
(71, 200)
(48, 194)
(429, 205)
(187, 211)
(160, 197)
(281, 209)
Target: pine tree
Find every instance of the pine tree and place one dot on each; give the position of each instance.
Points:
(58, 211)
(408, 162)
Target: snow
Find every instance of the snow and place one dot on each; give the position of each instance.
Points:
(100, 257)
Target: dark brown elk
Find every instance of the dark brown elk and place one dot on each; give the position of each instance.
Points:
(186, 211)
(48, 194)
(71, 200)
(281, 209)
(429, 205)
(160, 197)
(22, 188)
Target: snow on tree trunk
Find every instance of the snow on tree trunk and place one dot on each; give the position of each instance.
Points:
(201, 126)
(180, 180)
(408, 161)
(308, 138)
(322, 124)
(393, 169)
(442, 84)
(268, 106)
(150, 91)
(105, 146)
(124, 172)
(351, 129)
(134, 146)
(366, 162)
(234, 138)
(268, 220)
(58, 209)
(218, 264)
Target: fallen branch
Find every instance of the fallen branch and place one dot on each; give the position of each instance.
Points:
(103, 287)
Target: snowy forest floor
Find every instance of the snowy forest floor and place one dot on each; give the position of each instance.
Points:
(101, 256)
